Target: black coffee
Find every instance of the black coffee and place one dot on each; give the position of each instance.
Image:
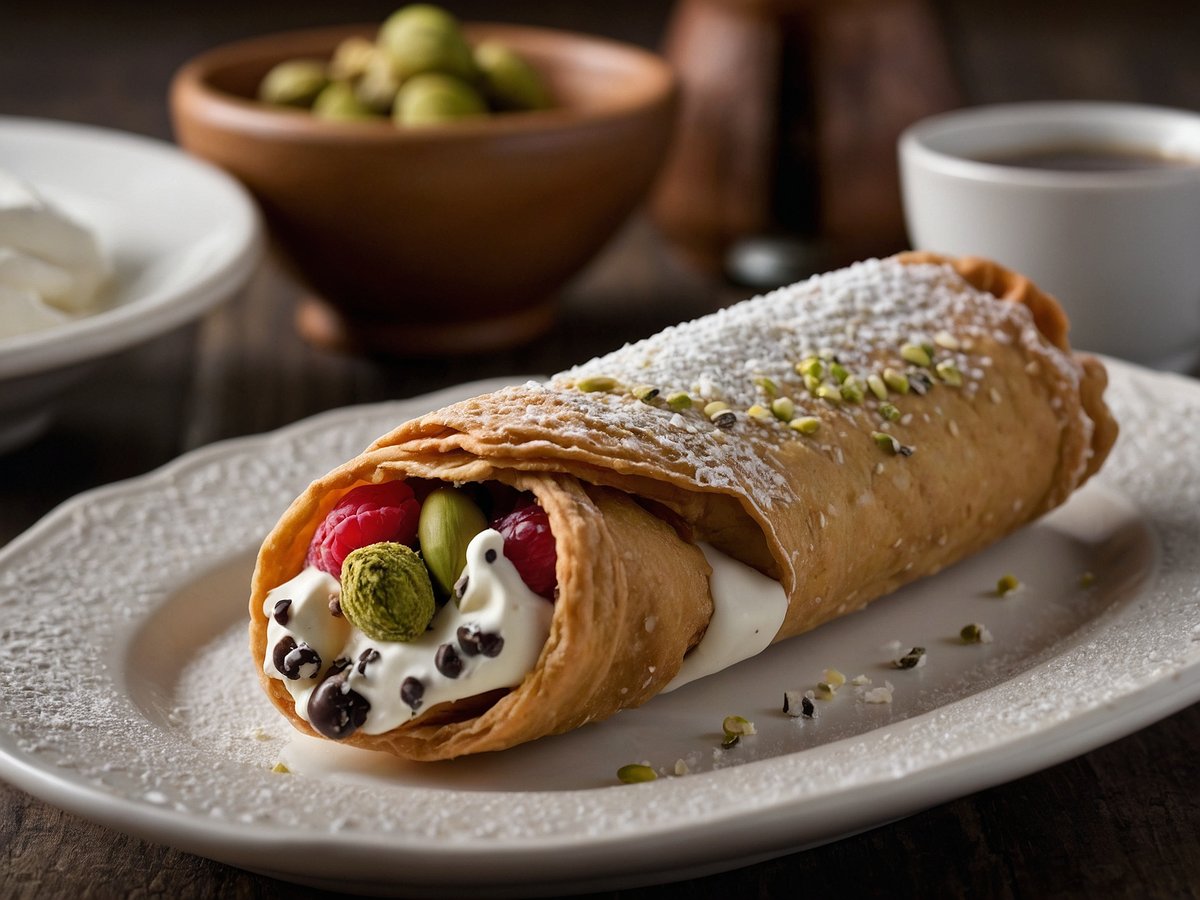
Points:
(1090, 158)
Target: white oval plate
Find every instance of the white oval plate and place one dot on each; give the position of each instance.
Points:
(181, 236)
(128, 695)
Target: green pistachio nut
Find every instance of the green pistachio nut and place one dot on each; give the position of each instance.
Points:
(352, 58)
(424, 38)
(433, 99)
(449, 519)
(296, 82)
(509, 81)
(339, 102)
(386, 592)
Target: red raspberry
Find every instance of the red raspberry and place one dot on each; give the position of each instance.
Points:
(367, 515)
(529, 545)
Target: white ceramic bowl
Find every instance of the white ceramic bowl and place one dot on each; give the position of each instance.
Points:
(1117, 248)
(181, 236)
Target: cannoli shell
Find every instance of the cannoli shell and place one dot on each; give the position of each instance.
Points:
(630, 486)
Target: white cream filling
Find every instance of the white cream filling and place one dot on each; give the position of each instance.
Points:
(748, 610)
(495, 601)
(50, 266)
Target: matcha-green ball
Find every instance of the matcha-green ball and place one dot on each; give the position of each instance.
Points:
(509, 81)
(432, 99)
(386, 592)
(296, 82)
(339, 102)
(423, 38)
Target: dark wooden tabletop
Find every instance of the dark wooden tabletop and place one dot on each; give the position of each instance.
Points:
(1120, 821)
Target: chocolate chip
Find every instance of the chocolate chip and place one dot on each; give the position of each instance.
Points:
(339, 665)
(411, 692)
(285, 646)
(368, 656)
(335, 710)
(474, 642)
(460, 587)
(281, 614)
(448, 662)
(490, 644)
(490, 556)
(335, 607)
(300, 662)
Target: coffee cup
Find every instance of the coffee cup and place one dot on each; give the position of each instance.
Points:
(1098, 203)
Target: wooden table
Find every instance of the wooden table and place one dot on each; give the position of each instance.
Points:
(1123, 820)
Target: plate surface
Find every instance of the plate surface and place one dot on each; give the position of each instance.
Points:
(128, 696)
(181, 236)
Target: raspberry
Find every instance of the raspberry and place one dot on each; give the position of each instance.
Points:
(367, 515)
(529, 546)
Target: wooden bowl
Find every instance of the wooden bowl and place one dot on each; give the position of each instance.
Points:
(441, 239)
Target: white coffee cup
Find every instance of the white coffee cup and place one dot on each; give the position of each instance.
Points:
(1119, 249)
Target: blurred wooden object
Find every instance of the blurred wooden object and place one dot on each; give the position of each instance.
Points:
(791, 111)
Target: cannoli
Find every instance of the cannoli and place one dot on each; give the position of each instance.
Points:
(530, 560)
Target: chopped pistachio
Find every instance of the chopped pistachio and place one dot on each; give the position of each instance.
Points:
(829, 394)
(1087, 579)
(919, 382)
(946, 340)
(897, 381)
(783, 408)
(950, 374)
(834, 678)
(839, 372)
(735, 728)
(889, 411)
(825, 690)
(851, 390)
(767, 386)
(1006, 585)
(811, 366)
(975, 633)
(760, 412)
(812, 382)
(913, 659)
(636, 772)
(890, 444)
(281, 769)
(915, 354)
(679, 401)
(878, 386)
(716, 406)
(645, 392)
(596, 383)
(805, 424)
(725, 419)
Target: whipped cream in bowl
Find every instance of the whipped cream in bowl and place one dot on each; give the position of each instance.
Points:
(106, 240)
(52, 268)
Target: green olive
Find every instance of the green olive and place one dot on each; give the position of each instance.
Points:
(509, 81)
(351, 59)
(339, 102)
(423, 38)
(378, 85)
(296, 82)
(432, 99)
